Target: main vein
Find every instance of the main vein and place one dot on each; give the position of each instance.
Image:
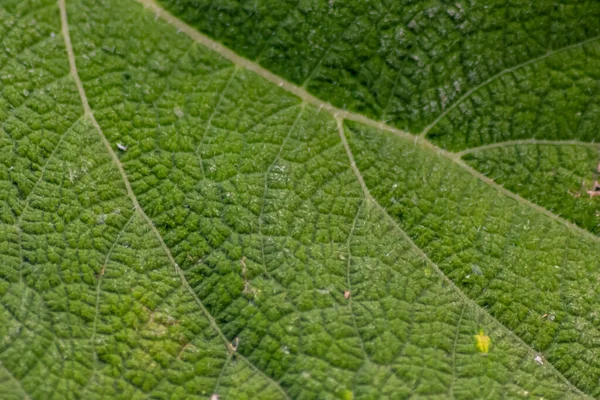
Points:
(343, 114)
(90, 115)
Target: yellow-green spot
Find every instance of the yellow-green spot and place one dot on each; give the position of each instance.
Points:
(483, 342)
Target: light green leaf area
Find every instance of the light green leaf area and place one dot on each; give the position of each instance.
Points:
(176, 226)
(559, 177)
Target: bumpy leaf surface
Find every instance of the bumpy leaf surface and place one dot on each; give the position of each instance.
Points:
(178, 222)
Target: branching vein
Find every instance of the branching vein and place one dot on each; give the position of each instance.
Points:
(346, 115)
(467, 300)
(340, 115)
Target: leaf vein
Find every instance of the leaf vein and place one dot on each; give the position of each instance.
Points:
(528, 142)
(467, 300)
(17, 382)
(97, 308)
(498, 75)
(339, 113)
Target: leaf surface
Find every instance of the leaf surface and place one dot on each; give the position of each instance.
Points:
(178, 223)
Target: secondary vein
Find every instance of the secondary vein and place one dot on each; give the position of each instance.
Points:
(527, 142)
(467, 300)
(17, 382)
(498, 75)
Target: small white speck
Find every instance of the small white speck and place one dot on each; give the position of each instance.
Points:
(538, 359)
(178, 112)
(122, 147)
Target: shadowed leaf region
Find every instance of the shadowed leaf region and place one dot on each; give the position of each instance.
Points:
(403, 62)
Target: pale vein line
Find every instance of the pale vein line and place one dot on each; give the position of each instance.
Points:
(209, 121)
(16, 381)
(33, 189)
(462, 313)
(328, 51)
(467, 300)
(90, 115)
(363, 185)
(266, 187)
(521, 200)
(349, 282)
(526, 142)
(498, 75)
(455, 157)
(220, 378)
(97, 312)
(391, 96)
(339, 113)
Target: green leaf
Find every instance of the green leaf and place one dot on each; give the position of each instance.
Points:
(557, 175)
(402, 62)
(177, 221)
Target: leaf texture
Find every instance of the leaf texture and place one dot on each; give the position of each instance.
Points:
(178, 225)
(402, 62)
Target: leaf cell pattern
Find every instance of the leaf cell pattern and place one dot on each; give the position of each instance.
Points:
(224, 243)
